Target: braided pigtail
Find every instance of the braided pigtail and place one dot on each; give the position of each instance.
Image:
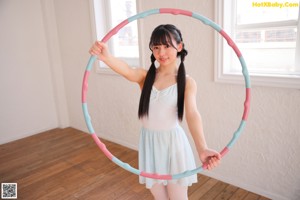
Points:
(146, 91)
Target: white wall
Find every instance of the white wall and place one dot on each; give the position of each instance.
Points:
(28, 102)
(264, 159)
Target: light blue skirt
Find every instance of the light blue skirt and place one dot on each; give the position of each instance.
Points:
(166, 152)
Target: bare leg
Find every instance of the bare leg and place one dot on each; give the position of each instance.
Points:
(159, 191)
(177, 192)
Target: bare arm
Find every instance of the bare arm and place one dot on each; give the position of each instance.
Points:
(193, 118)
(137, 75)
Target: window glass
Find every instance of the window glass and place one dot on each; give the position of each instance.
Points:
(125, 43)
(266, 33)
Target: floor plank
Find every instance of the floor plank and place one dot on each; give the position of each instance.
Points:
(67, 164)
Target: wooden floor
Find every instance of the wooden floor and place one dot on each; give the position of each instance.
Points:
(67, 164)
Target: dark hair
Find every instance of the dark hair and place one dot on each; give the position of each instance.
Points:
(163, 35)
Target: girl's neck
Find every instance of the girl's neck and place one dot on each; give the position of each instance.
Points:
(167, 70)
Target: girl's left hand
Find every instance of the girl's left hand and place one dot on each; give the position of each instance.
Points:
(210, 158)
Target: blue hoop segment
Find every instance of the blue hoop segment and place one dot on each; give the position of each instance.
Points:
(115, 30)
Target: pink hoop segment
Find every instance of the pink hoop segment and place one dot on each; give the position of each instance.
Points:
(115, 30)
(175, 12)
(85, 86)
(236, 134)
(231, 43)
(102, 146)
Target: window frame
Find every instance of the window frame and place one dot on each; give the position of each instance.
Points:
(105, 19)
(282, 81)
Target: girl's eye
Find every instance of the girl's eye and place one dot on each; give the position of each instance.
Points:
(168, 46)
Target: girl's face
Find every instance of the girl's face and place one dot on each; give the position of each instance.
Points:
(166, 54)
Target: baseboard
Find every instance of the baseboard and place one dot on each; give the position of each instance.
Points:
(13, 137)
(118, 141)
(247, 187)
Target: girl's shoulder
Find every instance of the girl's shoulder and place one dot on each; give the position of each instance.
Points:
(139, 75)
(190, 81)
(190, 86)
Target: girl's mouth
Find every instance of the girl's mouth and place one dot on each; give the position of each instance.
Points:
(162, 59)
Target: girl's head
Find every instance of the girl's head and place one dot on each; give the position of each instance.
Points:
(169, 37)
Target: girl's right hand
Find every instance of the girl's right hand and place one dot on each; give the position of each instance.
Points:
(100, 49)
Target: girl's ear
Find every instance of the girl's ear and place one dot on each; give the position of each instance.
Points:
(180, 47)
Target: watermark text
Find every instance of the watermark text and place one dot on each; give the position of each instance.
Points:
(276, 4)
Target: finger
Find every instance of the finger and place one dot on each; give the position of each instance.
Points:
(208, 167)
(93, 52)
(215, 154)
(212, 163)
(97, 47)
(218, 155)
(99, 44)
(216, 161)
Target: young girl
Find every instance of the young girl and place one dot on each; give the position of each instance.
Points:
(167, 92)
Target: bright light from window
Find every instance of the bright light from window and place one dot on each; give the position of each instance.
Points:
(249, 11)
(125, 43)
(267, 36)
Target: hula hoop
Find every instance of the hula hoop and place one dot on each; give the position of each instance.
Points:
(236, 134)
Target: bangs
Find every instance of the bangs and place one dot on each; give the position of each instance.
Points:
(161, 37)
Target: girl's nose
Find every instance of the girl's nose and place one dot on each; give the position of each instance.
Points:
(161, 51)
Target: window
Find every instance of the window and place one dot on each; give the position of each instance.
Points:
(108, 14)
(268, 35)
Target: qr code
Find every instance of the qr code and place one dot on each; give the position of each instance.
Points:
(9, 190)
